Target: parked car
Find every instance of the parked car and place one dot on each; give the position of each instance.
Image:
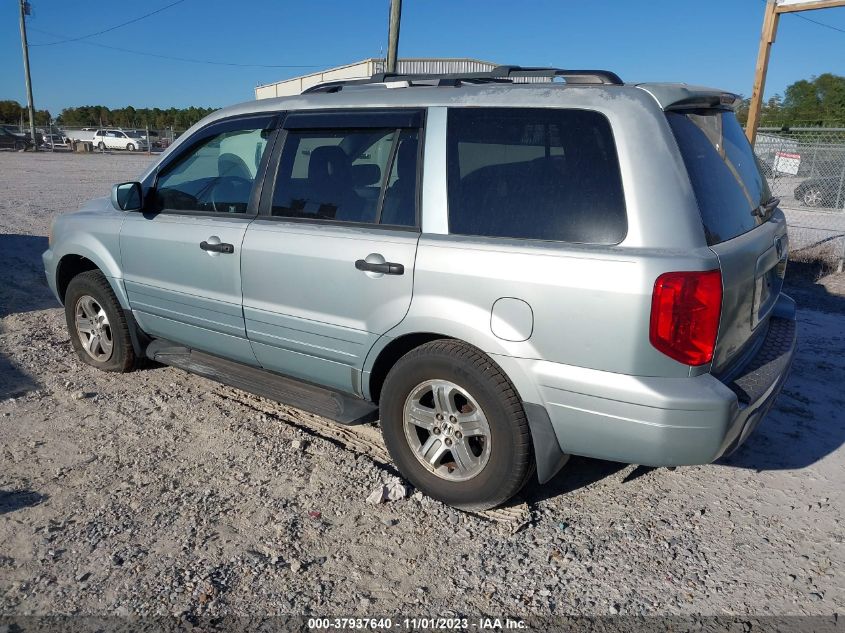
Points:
(10, 140)
(821, 192)
(118, 139)
(488, 267)
(52, 140)
(24, 134)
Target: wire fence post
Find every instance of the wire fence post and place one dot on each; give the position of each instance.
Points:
(149, 141)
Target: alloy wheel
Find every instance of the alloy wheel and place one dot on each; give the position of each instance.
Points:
(446, 430)
(93, 328)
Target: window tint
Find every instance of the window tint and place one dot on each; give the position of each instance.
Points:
(547, 174)
(216, 175)
(723, 171)
(341, 175)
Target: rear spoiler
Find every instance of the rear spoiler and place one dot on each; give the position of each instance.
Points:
(684, 97)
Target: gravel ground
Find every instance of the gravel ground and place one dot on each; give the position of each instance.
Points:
(159, 492)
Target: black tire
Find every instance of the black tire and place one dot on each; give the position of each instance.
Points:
(511, 459)
(93, 284)
(101, 146)
(130, 147)
(20, 146)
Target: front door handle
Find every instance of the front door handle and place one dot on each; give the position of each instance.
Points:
(221, 247)
(386, 268)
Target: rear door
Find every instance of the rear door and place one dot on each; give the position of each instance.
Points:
(328, 265)
(749, 239)
(181, 257)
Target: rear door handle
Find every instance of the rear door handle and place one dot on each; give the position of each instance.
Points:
(222, 247)
(386, 268)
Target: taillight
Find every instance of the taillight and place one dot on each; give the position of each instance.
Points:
(685, 309)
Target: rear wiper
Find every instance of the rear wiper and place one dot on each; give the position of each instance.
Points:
(765, 209)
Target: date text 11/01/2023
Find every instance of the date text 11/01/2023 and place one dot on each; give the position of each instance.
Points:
(418, 624)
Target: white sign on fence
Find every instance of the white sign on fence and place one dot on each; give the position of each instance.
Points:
(787, 163)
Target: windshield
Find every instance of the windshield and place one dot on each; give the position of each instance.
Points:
(723, 171)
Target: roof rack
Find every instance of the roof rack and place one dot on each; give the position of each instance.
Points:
(499, 74)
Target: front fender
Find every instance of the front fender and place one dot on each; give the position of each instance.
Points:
(92, 233)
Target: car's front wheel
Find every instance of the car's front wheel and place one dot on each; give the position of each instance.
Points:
(98, 329)
(20, 146)
(130, 147)
(812, 197)
(455, 426)
(101, 146)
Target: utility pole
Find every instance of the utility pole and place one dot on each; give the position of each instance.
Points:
(774, 9)
(393, 34)
(24, 12)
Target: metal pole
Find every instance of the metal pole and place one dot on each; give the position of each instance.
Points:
(24, 6)
(393, 34)
(149, 141)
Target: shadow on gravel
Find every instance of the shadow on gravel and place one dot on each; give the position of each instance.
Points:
(11, 500)
(23, 287)
(579, 472)
(806, 282)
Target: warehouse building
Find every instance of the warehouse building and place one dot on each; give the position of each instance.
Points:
(368, 67)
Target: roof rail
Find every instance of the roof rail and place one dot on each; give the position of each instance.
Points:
(571, 76)
(500, 74)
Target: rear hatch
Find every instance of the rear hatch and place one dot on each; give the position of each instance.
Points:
(742, 224)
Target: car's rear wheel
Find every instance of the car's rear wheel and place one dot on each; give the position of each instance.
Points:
(812, 197)
(98, 329)
(130, 147)
(455, 426)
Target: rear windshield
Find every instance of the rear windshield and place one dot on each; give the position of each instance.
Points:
(543, 174)
(723, 171)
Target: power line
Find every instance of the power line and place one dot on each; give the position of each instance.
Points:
(179, 59)
(828, 26)
(111, 28)
(824, 24)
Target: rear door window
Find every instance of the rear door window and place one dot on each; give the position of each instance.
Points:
(723, 171)
(531, 173)
(363, 176)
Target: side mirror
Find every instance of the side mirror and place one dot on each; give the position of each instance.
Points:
(127, 196)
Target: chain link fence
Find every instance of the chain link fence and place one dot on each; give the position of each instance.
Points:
(805, 168)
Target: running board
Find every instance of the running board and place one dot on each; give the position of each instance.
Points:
(334, 405)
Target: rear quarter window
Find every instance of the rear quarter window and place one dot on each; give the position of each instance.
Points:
(532, 173)
(723, 171)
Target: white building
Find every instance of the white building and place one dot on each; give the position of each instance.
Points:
(368, 67)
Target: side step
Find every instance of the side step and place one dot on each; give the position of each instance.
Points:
(334, 405)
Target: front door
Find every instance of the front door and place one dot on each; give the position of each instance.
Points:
(328, 264)
(181, 257)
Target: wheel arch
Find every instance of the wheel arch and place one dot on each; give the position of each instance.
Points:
(83, 258)
(548, 454)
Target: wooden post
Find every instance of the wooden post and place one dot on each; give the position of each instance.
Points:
(770, 28)
(767, 38)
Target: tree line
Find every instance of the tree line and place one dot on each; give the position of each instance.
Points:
(814, 102)
(11, 112)
(96, 116)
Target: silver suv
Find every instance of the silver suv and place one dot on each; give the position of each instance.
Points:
(503, 268)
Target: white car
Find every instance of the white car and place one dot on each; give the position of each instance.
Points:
(118, 139)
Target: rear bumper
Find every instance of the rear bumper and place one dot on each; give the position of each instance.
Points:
(662, 421)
